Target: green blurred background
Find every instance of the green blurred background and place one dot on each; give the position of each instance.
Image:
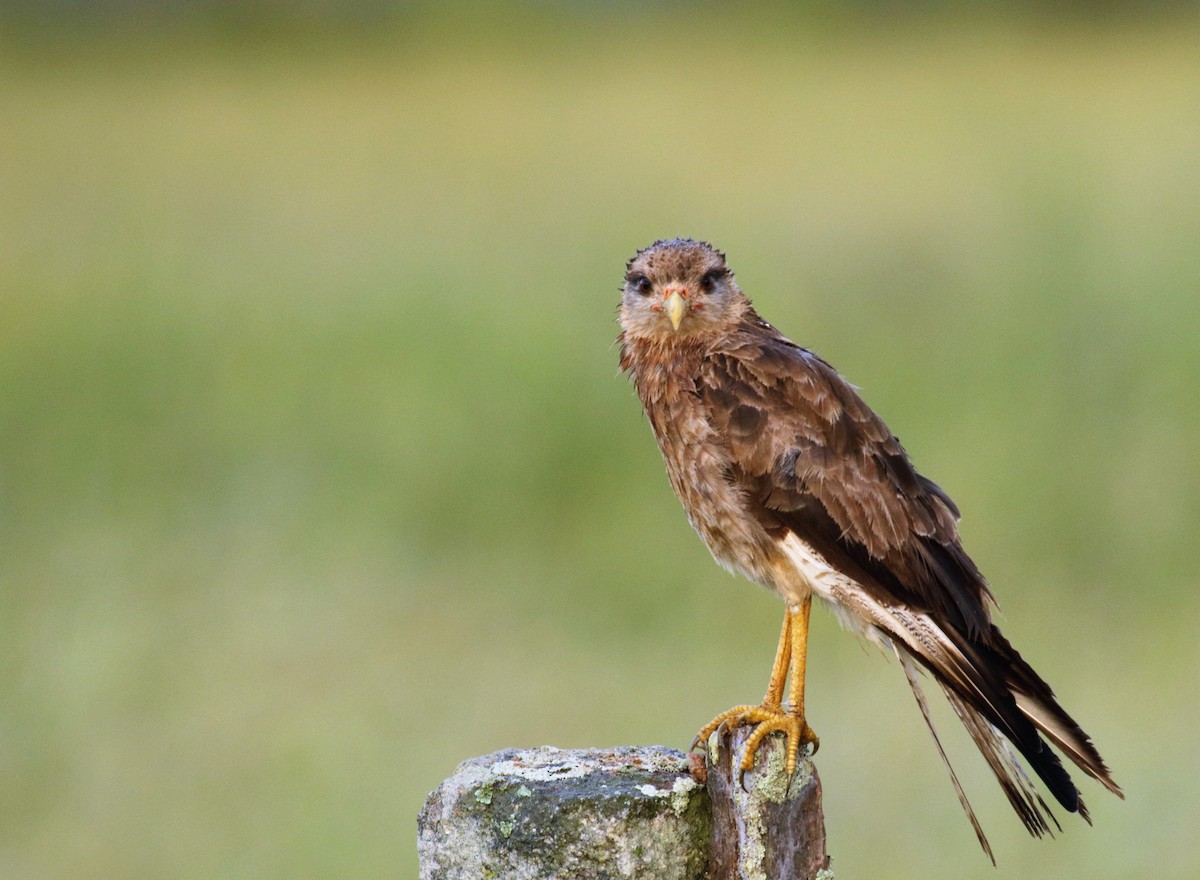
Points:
(317, 475)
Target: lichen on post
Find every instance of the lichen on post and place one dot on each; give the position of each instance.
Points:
(549, 813)
(765, 826)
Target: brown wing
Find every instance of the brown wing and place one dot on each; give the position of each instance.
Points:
(820, 462)
(814, 460)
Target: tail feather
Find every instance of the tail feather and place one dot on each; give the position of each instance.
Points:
(999, 697)
(910, 670)
(1017, 787)
(1038, 713)
(995, 694)
(990, 670)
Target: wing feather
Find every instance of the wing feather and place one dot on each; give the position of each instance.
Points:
(798, 431)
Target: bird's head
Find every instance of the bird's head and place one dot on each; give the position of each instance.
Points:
(679, 289)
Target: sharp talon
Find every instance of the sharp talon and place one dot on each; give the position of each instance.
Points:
(763, 721)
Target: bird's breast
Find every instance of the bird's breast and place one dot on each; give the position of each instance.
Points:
(700, 469)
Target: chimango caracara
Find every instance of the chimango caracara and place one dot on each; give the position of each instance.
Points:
(793, 481)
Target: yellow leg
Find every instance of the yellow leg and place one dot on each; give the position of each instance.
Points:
(779, 669)
(771, 716)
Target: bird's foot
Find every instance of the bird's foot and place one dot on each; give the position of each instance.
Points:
(766, 719)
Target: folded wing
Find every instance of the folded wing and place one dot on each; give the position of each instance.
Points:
(819, 467)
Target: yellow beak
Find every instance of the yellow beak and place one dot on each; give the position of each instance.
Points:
(674, 305)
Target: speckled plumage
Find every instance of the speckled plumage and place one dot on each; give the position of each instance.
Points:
(794, 482)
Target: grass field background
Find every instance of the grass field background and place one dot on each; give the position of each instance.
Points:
(317, 476)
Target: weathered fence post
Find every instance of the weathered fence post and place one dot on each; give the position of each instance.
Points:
(765, 826)
(628, 812)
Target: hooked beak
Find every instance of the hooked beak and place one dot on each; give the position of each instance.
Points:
(675, 305)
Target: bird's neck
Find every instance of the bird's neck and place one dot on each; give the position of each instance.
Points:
(662, 365)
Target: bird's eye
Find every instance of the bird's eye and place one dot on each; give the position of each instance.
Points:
(641, 284)
(710, 279)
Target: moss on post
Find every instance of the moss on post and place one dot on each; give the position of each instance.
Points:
(765, 826)
(546, 812)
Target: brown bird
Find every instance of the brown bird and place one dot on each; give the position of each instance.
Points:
(792, 481)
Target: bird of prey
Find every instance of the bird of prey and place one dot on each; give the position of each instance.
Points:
(794, 482)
